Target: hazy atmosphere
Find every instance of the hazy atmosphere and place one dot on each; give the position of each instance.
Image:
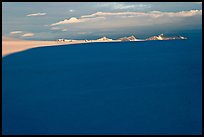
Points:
(49, 21)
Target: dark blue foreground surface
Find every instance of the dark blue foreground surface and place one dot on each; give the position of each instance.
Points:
(105, 88)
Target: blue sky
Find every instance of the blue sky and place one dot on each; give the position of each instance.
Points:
(90, 20)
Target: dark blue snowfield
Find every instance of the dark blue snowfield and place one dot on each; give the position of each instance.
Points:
(151, 87)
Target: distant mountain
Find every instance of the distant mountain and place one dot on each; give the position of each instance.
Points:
(159, 37)
(104, 39)
(162, 37)
(130, 38)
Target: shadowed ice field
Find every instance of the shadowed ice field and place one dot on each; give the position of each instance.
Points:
(104, 88)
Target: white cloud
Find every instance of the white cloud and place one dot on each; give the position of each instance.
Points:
(71, 10)
(37, 14)
(22, 34)
(67, 21)
(150, 14)
(15, 32)
(113, 20)
(28, 35)
(75, 20)
(124, 6)
(58, 28)
(55, 28)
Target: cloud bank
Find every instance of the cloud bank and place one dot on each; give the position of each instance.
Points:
(146, 14)
(106, 20)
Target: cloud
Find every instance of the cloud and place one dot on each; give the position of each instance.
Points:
(22, 34)
(55, 28)
(71, 10)
(74, 20)
(117, 20)
(67, 21)
(187, 13)
(149, 14)
(15, 32)
(124, 6)
(37, 14)
(28, 35)
(58, 28)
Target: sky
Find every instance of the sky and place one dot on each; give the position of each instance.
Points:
(91, 20)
